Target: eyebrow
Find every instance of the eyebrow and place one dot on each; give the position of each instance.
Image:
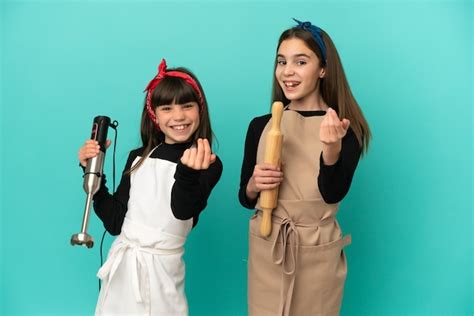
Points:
(295, 55)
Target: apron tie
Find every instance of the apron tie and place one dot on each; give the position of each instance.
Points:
(286, 234)
(288, 255)
(139, 268)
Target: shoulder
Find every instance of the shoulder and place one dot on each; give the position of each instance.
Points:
(137, 152)
(257, 125)
(260, 121)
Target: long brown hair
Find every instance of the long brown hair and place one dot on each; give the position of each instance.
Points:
(334, 87)
(169, 90)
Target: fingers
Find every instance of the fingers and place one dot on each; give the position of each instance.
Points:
(212, 159)
(185, 157)
(90, 149)
(192, 157)
(331, 124)
(338, 127)
(332, 129)
(199, 157)
(206, 161)
(345, 124)
(266, 177)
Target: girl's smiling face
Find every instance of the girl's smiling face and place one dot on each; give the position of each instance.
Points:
(298, 71)
(178, 122)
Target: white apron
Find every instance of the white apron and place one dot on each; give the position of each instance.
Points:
(144, 273)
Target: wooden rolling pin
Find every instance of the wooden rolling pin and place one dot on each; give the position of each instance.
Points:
(274, 139)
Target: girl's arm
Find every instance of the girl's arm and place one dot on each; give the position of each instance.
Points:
(254, 132)
(192, 188)
(111, 209)
(256, 177)
(335, 180)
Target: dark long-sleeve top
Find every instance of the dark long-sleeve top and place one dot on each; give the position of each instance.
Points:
(189, 194)
(333, 181)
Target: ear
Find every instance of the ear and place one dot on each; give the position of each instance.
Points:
(322, 73)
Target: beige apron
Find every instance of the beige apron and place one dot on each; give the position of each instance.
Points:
(300, 268)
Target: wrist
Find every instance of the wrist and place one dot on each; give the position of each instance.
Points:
(331, 153)
(250, 191)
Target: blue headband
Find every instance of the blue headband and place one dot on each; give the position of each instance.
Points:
(316, 33)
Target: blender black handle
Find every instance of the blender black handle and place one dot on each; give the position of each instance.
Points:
(100, 127)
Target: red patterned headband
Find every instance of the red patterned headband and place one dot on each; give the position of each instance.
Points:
(155, 81)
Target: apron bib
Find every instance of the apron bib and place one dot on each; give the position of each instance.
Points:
(144, 273)
(300, 269)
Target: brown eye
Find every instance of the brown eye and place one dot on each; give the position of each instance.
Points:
(164, 108)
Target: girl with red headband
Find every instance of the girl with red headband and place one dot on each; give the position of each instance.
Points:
(300, 268)
(164, 188)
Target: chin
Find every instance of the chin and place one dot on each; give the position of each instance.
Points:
(292, 97)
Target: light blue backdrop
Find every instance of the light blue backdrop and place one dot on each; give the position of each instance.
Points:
(410, 206)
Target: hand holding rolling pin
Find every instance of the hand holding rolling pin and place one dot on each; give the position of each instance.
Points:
(267, 176)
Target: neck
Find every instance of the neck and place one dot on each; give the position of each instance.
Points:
(313, 102)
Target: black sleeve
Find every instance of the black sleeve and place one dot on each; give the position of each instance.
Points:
(255, 129)
(334, 181)
(192, 188)
(111, 209)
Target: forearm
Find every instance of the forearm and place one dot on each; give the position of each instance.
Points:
(110, 209)
(250, 190)
(247, 201)
(192, 189)
(247, 198)
(337, 169)
(331, 153)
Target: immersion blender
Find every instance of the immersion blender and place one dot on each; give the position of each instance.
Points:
(92, 178)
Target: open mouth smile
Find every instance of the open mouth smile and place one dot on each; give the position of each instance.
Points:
(180, 128)
(291, 84)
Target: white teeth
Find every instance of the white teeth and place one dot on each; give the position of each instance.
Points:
(179, 127)
(291, 84)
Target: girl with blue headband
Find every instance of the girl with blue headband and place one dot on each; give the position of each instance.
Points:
(300, 268)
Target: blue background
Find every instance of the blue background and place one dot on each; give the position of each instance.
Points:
(409, 210)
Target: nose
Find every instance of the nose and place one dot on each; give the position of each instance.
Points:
(178, 113)
(288, 70)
